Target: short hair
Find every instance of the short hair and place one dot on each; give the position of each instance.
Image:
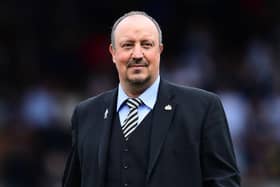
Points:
(132, 13)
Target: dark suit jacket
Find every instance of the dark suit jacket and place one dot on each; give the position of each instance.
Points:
(190, 142)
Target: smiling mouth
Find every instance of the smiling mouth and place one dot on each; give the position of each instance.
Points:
(137, 66)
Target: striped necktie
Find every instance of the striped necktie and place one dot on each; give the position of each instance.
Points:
(131, 121)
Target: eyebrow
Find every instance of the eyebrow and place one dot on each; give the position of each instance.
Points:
(132, 41)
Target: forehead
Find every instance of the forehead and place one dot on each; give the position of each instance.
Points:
(136, 24)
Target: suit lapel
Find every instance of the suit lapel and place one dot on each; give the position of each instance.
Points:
(110, 104)
(162, 118)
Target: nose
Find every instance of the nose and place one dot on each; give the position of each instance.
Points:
(137, 52)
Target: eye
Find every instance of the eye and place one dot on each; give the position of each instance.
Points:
(127, 45)
(147, 45)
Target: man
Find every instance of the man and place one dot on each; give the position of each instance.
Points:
(148, 132)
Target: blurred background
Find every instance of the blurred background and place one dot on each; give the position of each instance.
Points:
(54, 53)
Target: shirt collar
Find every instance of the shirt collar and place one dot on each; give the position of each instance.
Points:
(149, 96)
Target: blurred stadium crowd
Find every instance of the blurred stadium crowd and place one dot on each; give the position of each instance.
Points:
(54, 54)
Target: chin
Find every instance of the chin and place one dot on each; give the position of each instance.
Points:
(139, 80)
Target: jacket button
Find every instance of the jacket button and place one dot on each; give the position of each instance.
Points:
(125, 150)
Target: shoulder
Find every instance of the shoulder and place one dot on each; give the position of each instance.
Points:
(98, 100)
(193, 100)
(190, 93)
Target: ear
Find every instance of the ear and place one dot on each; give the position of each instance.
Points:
(161, 48)
(112, 51)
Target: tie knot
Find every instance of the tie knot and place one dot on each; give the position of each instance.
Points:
(134, 102)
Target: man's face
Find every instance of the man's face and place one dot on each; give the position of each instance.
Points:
(137, 51)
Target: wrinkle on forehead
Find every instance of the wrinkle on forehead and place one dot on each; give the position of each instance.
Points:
(136, 26)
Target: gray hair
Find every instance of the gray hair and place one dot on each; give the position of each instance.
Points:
(132, 13)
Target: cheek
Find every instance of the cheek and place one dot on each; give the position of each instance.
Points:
(154, 59)
(122, 57)
(119, 60)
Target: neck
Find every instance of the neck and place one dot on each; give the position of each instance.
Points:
(134, 91)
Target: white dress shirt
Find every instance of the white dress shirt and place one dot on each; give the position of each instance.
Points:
(149, 97)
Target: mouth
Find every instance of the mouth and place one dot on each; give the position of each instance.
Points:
(137, 66)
